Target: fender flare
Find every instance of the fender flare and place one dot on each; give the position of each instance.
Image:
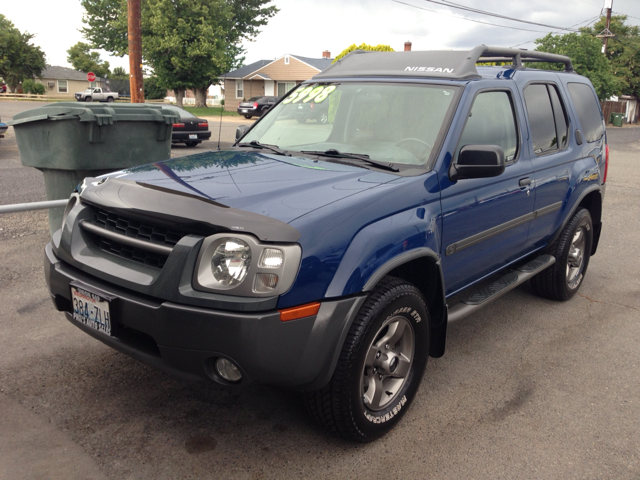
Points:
(438, 326)
(574, 208)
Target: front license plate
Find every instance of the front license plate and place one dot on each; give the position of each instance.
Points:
(193, 136)
(91, 309)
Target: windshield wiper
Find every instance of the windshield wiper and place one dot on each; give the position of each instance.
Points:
(332, 152)
(256, 144)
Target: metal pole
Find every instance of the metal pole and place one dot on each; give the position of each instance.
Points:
(135, 51)
(24, 207)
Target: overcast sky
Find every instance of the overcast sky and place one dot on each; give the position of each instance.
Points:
(307, 27)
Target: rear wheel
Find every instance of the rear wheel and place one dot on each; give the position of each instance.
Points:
(247, 116)
(110, 100)
(572, 250)
(380, 367)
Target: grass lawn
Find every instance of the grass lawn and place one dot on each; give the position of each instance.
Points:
(209, 112)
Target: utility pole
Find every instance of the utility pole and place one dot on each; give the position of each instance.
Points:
(135, 51)
(606, 33)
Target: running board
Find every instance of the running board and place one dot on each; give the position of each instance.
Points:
(499, 287)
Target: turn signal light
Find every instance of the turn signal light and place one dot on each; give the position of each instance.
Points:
(302, 311)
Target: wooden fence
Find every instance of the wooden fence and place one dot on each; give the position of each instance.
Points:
(609, 107)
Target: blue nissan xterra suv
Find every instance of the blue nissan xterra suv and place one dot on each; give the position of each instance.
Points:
(330, 256)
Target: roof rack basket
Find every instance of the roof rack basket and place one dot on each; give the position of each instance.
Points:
(483, 53)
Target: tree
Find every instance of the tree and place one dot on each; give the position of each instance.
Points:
(585, 53)
(363, 46)
(84, 60)
(19, 59)
(623, 51)
(187, 43)
(119, 73)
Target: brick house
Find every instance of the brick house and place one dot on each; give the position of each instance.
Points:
(270, 77)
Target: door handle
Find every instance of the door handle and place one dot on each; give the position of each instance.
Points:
(525, 182)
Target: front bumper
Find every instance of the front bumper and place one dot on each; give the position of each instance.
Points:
(187, 340)
(178, 137)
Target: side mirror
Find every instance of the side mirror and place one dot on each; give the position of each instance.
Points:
(240, 131)
(477, 161)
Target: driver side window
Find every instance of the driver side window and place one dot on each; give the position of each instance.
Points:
(492, 122)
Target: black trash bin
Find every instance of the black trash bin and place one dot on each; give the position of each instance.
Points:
(69, 141)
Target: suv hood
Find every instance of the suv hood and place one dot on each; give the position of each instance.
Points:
(276, 186)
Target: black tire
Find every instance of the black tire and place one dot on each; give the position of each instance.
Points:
(191, 144)
(572, 250)
(301, 119)
(247, 117)
(88, 99)
(110, 100)
(348, 405)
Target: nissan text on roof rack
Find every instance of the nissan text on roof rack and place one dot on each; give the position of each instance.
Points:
(329, 257)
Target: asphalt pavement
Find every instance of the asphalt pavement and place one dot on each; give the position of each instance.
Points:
(528, 388)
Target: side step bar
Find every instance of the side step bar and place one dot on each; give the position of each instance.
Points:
(499, 287)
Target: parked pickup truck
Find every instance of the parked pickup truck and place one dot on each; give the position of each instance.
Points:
(96, 95)
(330, 256)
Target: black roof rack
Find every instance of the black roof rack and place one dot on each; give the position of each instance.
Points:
(451, 64)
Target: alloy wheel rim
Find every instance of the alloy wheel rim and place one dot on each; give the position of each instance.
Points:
(387, 363)
(575, 259)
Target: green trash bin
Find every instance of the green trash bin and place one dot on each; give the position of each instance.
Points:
(68, 141)
(617, 119)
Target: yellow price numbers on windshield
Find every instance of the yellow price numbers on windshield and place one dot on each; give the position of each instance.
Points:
(315, 93)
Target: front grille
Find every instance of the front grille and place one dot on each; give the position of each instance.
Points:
(136, 229)
(131, 253)
(143, 231)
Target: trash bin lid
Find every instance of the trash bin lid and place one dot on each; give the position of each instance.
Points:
(102, 114)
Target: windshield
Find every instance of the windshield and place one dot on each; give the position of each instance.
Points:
(392, 123)
(180, 111)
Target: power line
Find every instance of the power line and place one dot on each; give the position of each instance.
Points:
(467, 19)
(590, 20)
(448, 3)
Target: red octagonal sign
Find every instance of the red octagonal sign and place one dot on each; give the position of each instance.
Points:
(91, 77)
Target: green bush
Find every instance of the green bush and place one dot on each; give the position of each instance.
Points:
(153, 90)
(31, 86)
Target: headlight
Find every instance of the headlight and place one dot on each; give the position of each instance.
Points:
(240, 265)
(230, 262)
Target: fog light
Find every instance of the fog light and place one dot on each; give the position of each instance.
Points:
(265, 282)
(227, 370)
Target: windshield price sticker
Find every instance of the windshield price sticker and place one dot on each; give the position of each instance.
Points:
(315, 93)
(91, 309)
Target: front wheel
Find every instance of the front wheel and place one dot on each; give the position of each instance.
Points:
(88, 99)
(572, 250)
(380, 367)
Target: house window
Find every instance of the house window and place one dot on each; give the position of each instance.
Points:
(62, 86)
(239, 89)
(286, 59)
(284, 87)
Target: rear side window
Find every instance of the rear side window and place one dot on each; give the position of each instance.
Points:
(492, 122)
(588, 111)
(547, 118)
